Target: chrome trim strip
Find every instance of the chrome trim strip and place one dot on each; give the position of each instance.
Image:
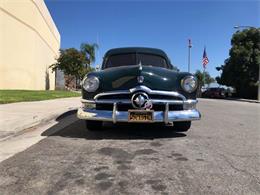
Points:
(111, 93)
(114, 113)
(126, 101)
(157, 92)
(166, 120)
(122, 116)
(141, 88)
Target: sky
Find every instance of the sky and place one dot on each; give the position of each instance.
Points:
(160, 24)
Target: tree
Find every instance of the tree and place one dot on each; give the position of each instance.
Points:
(89, 50)
(204, 78)
(76, 63)
(241, 69)
(71, 62)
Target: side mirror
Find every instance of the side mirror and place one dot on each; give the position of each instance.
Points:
(172, 67)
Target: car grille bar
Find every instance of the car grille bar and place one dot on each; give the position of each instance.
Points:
(125, 101)
(141, 88)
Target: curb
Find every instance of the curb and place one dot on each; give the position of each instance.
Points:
(233, 99)
(53, 117)
(26, 138)
(244, 100)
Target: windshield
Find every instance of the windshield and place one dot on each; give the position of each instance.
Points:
(134, 59)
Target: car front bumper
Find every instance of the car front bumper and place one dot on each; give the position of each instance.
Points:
(167, 98)
(122, 116)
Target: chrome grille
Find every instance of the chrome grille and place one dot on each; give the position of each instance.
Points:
(126, 107)
(129, 96)
(117, 96)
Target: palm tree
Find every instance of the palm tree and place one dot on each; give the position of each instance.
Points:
(89, 50)
(203, 78)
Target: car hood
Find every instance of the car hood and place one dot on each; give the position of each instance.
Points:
(125, 77)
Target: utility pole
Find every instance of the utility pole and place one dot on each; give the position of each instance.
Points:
(189, 49)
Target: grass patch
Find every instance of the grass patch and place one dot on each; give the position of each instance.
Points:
(11, 96)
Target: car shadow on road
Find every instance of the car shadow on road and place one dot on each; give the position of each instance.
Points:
(109, 131)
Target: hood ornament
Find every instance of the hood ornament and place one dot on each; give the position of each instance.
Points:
(140, 79)
(140, 66)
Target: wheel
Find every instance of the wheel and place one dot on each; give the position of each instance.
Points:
(181, 126)
(94, 125)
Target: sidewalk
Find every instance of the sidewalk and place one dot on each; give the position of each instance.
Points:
(244, 100)
(16, 117)
(234, 99)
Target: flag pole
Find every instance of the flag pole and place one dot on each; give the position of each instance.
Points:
(204, 69)
(189, 50)
(189, 60)
(204, 61)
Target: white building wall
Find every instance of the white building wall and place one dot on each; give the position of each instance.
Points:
(29, 44)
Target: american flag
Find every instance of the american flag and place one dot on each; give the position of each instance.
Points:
(205, 59)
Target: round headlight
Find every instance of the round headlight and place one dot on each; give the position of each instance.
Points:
(189, 84)
(90, 84)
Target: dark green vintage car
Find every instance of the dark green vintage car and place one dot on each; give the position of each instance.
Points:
(139, 85)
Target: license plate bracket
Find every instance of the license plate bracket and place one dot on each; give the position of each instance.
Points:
(140, 116)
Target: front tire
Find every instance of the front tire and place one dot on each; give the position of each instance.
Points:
(181, 126)
(94, 125)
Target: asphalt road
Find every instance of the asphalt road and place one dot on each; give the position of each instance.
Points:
(218, 155)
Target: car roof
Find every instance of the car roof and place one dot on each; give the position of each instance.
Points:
(137, 50)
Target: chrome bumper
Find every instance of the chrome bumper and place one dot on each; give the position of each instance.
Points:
(122, 116)
(189, 113)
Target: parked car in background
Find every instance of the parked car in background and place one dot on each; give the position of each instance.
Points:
(215, 92)
(138, 85)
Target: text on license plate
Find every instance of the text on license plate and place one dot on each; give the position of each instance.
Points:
(140, 115)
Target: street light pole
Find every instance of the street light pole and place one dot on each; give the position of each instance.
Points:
(258, 83)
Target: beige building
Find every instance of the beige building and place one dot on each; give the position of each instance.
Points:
(29, 43)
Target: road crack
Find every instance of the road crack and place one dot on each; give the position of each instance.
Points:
(240, 170)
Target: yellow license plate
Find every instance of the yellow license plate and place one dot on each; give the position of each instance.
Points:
(140, 115)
